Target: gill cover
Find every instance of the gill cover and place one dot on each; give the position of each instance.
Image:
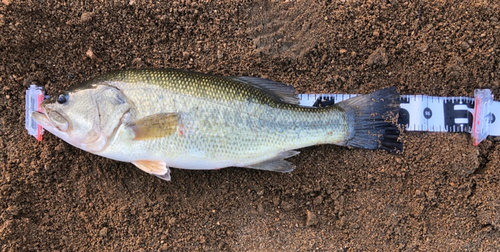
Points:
(111, 105)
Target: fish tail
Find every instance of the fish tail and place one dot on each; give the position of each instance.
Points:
(368, 120)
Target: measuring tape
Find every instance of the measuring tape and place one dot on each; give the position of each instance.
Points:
(418, 112)
(435, 114)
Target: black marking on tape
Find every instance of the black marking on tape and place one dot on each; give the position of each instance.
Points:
(427, 113)
(450, 114)
(324, 102)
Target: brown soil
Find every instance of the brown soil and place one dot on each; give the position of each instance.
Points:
(441, 194)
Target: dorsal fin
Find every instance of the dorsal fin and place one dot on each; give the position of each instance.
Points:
(278, 90)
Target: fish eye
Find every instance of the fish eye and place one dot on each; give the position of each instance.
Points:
(62, 99)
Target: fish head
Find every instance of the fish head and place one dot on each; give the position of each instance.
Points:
(84, 117)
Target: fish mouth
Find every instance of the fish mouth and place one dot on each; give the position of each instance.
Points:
(50, 120)
(42, 119)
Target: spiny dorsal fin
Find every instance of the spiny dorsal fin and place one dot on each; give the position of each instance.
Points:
(277, 90)
(155, 126)
(278, 163)
(157, 168)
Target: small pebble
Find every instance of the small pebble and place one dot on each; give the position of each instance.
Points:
(464, 46)
(378, 57)
(260, 208)
(311, 219)
(92, 56)
(86, 16)
(318, 200)
(103, 232)
(90, 53)
(260, 192)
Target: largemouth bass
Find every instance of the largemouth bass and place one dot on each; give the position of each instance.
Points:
(161, 118)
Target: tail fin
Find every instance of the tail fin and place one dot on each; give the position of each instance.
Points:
(368, 116)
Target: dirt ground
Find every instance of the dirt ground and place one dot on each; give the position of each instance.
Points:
(441, 194)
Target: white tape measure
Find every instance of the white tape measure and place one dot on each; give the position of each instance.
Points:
(418, 112)
(436, 114)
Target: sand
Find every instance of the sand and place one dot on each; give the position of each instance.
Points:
(441, 194)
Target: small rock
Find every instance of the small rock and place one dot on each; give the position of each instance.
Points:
(423, 47)
(6, 2)
(378, 58)
(165, 247)
(276, 201)
(311, 219)
(12, 210)
(260, 208)
(286, 206)
(103, 232)
(260, 192)
(137, 62)
(464, 46)
(86, 16)
(318, 200)
(2, 19)
(342, 51)
(91, 55)
(454, 68)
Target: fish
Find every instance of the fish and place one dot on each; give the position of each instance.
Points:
(162, 118)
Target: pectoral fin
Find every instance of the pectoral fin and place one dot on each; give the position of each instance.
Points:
(155, 126)
(157, 168)
(277, 164)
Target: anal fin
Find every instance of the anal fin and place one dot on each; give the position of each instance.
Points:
(157, 168)
(277, 164)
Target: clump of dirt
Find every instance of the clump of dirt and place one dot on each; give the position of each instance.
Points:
(442, 193)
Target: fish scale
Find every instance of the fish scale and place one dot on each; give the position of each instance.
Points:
(160, 118)
(226, 128)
